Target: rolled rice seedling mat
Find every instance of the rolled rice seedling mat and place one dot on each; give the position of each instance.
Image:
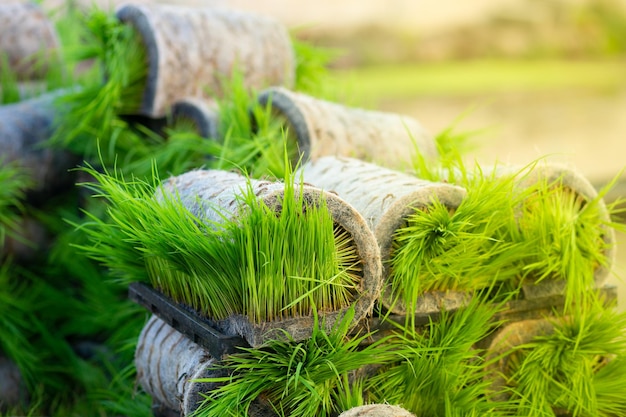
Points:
(24, 128)
(200, 113)
(570, 180)
(385, 198)
(191, 50)
(168, 365)
(12, 387)
(28, 40)
(377, 410)
(214, 195)
(510, 336)
(325, 128)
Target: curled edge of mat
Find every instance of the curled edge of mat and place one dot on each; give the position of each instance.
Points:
(283, 104)
(131, 14)
(202, 113)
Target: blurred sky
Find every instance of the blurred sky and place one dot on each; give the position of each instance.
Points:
(411, 15)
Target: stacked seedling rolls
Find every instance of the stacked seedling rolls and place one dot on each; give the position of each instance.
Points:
(322, 127)
(386, 198)
(28, 40)
(214, 196)
(191, 50)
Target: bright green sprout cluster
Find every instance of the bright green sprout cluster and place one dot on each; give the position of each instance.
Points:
(263, 264)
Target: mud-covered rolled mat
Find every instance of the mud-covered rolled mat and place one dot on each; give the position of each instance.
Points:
(201, 113)
(24, 128)
(192, 50)
(569, 179)
(507, 339)
(215, 194)
(13, 391)
(28, 40)
(324, 128)
(385, 198)
(377, 410)
(168, 365)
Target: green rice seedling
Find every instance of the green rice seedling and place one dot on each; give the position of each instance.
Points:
(14, 182)
(577, 370)
(312, 63)
(120, 396)
(18, 323)
(263, 264)
(9, 89)
(437, 370)
(570, 235)
(252, 138)
(465, 249)
(307, 378)
(113, 87)
(452, 147)
(560, 234)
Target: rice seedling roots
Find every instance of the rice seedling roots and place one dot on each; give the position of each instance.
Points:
(28, 38)
(325, 128)
(189, 50)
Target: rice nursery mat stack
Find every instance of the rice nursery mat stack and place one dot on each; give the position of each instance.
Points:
(29, 42)
(292, 268)
(322, 128)
(189, 51)
(269, 262)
